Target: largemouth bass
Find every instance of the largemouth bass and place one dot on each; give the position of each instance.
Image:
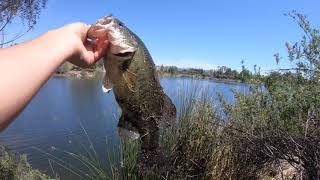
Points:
(131, 73)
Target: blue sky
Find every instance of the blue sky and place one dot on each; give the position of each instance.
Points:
(195, 33)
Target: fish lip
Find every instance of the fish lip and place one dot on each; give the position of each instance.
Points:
(125, 54)
(121, 41)
(106, 20)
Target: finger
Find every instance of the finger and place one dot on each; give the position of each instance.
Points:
(88, 57)
(102, 47)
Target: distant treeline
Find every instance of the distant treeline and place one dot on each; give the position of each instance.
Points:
(66, 67)
(222, 72)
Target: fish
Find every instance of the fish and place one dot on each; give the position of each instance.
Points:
(131, 74)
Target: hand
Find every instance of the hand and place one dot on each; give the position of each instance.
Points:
(83, 52)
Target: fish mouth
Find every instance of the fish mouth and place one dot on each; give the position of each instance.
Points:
(106, 20)
(124, 54)
(122, 42)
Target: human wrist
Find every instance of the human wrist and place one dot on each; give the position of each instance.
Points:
(66, 44)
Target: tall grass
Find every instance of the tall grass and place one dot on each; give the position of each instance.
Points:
(120, 162)
(192, 141)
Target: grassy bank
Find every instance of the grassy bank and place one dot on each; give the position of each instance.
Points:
(14, 166)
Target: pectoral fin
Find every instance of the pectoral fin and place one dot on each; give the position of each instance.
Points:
(107, 85)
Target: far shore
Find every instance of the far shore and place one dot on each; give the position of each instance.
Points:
(90, 74)
(83, 74)
(197, 77)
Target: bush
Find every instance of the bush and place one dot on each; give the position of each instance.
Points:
(16, 167)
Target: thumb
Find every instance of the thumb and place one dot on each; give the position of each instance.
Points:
(101, 48)
(87, 55)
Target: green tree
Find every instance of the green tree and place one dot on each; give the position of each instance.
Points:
(172, 69)
(307, 51)
(245, 75)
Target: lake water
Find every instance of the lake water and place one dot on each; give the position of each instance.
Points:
(56, 118)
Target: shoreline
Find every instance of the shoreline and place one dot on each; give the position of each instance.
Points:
(165, 75)
(84, 74)
(90, 74)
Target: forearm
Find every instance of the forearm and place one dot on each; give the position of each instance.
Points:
(24, 69)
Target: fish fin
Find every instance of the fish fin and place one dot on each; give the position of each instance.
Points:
(107, 85)
(130, 79)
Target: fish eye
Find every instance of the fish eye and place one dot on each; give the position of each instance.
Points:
(126, 54)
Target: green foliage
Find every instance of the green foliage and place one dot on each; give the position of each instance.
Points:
(307, 50)
(169, 69)
(245, 75)
(172, 70)
(15, 167)
(280, 120)
(287, 111)
(222, 72)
